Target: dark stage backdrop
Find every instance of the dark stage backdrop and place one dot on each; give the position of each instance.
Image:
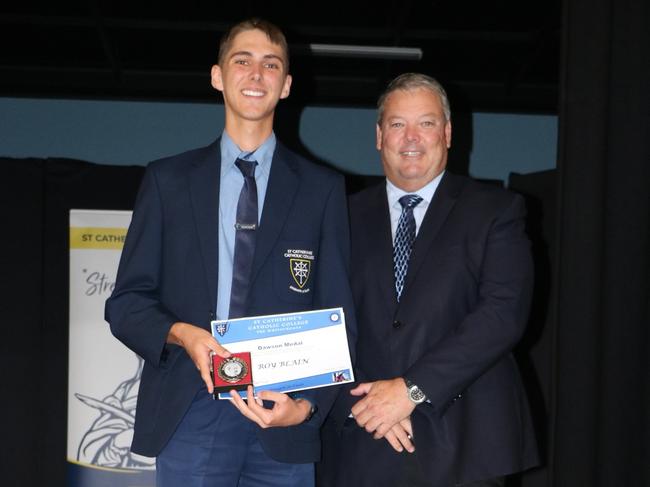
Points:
(36, 196)
(601, 393)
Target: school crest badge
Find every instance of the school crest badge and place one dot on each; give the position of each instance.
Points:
(300, 269)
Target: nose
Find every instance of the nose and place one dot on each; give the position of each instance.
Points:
(256, 72)
(411, 134)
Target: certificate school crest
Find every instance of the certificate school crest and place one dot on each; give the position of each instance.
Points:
(222, 328)
(300, 261)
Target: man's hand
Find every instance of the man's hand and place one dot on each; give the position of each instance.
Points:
(285, 412)
(400, 436)
(199, 344)
(385, 404)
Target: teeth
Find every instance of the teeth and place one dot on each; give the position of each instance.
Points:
(253, 93)
(411, 153)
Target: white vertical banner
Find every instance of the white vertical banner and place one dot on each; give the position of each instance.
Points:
(103, 375)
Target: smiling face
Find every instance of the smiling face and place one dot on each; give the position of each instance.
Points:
(413, 138)
(252, 77)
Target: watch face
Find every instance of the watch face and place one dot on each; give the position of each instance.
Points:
(232, 370)
(416, 395)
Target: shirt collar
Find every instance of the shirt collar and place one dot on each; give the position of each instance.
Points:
(426, 192)
(230, 152)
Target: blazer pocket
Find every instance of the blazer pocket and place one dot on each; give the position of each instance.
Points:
(169, 355)
(294, 268)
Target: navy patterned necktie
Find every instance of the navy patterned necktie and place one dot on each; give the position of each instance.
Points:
(245, 230)
(404, 237)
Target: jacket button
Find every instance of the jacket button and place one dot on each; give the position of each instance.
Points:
(397, 324)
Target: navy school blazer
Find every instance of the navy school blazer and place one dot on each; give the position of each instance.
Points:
(168, 273)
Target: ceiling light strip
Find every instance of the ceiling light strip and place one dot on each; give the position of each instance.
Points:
(367, 52)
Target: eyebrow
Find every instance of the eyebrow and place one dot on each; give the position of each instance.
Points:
(250, 54)
(425, 115)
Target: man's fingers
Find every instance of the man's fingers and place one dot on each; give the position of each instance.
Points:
(207, 377)
(372, 425)
(366, 419)
(256, 407)
(361, 418)
(272, 396)
(394, 442)
(244, 408)
(361, 389)
(255, 404)
(404, 437)
(400, 439)
(359, 407)
(237, 400)
(407, 443)
(381, 431)
(407, 426)
(216, 347)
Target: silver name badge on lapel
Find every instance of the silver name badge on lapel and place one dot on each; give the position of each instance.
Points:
(300, 261)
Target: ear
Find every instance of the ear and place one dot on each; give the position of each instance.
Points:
(286, 87)
(215, 78)
(448, 134)
(378, 136)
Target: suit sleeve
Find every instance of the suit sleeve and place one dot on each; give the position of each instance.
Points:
(333, 281)
(134, 311)
(497, 321)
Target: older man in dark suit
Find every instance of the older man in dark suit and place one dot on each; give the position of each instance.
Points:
(442, 278)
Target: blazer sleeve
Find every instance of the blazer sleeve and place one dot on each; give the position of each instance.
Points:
(134, 311)
(332, 288)
(495, 324)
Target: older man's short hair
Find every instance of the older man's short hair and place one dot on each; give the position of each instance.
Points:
(413, 81)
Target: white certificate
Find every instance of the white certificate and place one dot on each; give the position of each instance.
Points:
(291, 351)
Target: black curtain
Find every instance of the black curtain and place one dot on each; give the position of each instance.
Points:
(600, 412)
(534, 353)
(36, 197)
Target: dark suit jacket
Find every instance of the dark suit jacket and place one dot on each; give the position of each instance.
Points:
(168, 273)
(463, 308)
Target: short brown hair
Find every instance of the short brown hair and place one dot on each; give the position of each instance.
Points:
(413, 81)
(271, 30)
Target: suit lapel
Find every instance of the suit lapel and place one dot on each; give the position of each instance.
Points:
(376, 226)
(204, 194)
(280, 193)
(443, 201)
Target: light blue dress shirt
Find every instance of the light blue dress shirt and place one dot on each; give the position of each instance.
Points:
(394, 194)
(230, 186)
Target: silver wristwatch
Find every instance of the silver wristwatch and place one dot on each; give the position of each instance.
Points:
(415, 394)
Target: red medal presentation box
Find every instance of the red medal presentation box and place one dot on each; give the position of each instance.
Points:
(232, 373)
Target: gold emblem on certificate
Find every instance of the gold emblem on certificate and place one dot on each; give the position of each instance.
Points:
(234, 372)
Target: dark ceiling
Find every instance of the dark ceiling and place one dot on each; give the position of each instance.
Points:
(491, 56)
